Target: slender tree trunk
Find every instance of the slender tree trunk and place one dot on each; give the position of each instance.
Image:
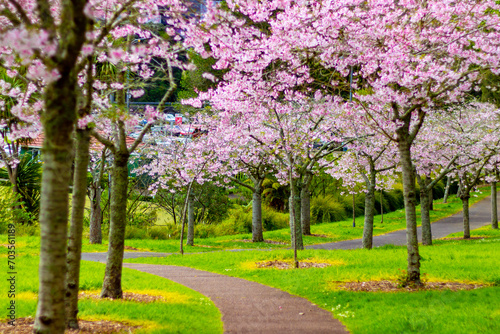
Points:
(369, 213)
(95, 232)
(257, 231)
(82, 158)
(190, 209)
(295, 228)
(305, 210)
(447, 189)
(431, 198)
(465, 208)
(404, 147)
(112, 285)
(425, 210)
(494, 211)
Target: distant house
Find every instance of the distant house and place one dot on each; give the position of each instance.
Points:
(34, 147)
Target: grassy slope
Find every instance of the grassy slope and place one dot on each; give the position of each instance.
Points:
(417, 312)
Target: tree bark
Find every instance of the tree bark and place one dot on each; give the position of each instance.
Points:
(112, 278)
(58, 120)
(409, 195)
(305, 210)
(494, 207)
(295, 228)
(82, 158)
(465, 208)
(369, 213)
(257, 230)
(447, 190)
(190, 233)
(95, 233)
(425, 210)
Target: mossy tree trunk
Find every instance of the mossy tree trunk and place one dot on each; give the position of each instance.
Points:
(425, 209)
(404, 141)
(95, 228)
(295, 206)
(257, 230)
(369, 212)
(190, 213)
(447, 190)
(119, 184)
(58, 120)
(82, 158)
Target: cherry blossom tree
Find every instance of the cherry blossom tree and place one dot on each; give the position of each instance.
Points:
(408, 59)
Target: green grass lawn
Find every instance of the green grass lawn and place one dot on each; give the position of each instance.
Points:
(473, 261)
(182, 310)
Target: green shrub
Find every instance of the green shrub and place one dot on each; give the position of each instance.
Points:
(325, 209)
(158, 232)
(133, 232)
(274, 220)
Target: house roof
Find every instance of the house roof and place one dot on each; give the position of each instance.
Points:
(94, 144)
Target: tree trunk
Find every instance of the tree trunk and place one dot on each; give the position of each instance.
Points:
(465, 208)
(95, 233)
(112, 286)
(494, 211)
(305, 210)
(190, 233)
(369, 214)
(447, 190)
(425, 210)
(409, 195)
(295, 228)
(431, 198)
(82, 158)
(58, 120)
(257, 231)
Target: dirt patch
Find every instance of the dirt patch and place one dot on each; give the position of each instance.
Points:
(289, 265)
(128, 296)
(25, 326)
(131, 248)
(318, 235)
(265, 241)
(461, 238)
(392, 286)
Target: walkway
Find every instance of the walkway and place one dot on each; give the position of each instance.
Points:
(249, 307)
(479, 215)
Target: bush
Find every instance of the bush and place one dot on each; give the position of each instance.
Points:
(133, 232)
(159, 233)
(274, 220)
(325, 209)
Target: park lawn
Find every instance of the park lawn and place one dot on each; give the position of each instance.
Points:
(182, 310)
(472, 261)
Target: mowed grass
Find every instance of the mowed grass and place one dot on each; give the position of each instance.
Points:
(472, 261)
(182, 310)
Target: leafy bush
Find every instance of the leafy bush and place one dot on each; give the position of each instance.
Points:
(325, 209)
(274, 220)
(134, 232)
(159, 233)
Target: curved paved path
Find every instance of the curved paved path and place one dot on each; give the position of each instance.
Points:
(479, 215)
(249, 307)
